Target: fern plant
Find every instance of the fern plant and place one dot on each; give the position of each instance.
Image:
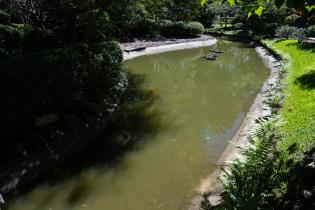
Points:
(205, 203)
(246, 181)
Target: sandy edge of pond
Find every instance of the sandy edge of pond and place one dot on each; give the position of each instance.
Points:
(171, 47)
(212, 184)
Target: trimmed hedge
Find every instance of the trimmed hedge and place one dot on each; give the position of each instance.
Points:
(194, 28)
(180, 28)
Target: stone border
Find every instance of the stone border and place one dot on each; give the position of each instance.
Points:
(169, 47)
(259, 109)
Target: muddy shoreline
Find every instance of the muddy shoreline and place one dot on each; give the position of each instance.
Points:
(259, 109)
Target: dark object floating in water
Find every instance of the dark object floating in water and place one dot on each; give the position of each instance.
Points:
(216, 51)
(210, 57)
(134, 49)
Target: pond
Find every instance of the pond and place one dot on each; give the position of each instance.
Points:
(201, 105)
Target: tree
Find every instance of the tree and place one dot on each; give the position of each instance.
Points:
(258, 6)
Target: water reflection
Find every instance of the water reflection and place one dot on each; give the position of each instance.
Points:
(135, 122)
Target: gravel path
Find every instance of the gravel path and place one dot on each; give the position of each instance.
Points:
(162, 41)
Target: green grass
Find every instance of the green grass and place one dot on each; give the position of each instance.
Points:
(260, 179)
(298, 110)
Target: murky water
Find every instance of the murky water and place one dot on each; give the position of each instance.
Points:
(202, 104)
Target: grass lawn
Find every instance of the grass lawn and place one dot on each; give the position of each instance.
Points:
(299, 105)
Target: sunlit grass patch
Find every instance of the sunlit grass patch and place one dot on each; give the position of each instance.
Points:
(299, 106)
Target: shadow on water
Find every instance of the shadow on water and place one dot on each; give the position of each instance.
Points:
(135, 122)
(306, 81)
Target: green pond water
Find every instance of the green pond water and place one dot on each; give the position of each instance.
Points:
(201, 105)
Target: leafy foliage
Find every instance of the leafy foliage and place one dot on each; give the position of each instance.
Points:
(291, 32)
(246, 181)
(180, 28)
(291, 19)
(311, 30)
(56, 58)
(207, 15)
(258, 6)
(205, 203)
(194, 28)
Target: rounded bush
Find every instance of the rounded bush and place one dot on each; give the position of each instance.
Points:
(291, 19)
(194, 28)
(180, 28)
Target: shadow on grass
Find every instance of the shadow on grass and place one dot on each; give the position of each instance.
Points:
(303, 46)
(136, 121)
(306, 81)
(280, 40)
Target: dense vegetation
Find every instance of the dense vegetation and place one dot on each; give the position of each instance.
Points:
(270, 20)
(62, 67)
(58, 69)
(270, 175)
(275, 171)
(62, 70)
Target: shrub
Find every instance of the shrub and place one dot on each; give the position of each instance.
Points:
(246, 181)
(4, 17)
(291, 32)
(291, 19)
(80, 80)
(207, 16)
(269, 28)
(22, 39)
(194, 28)
(11, 40)
(239, 25)
(144, 28)
(180, 28)
(311, 30)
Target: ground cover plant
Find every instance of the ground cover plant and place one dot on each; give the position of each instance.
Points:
(299, 106)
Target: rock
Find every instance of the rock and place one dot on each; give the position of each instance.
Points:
(265, 113)
(311, 165)
(210, 57)
(215, 200)
(1, 201)
(307, 194)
